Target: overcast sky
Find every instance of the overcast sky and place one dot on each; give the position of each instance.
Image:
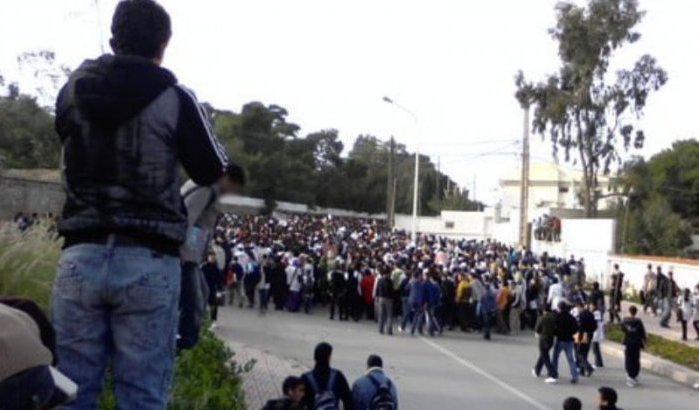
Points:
(330, 63)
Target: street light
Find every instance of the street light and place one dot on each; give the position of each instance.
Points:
(413, 233)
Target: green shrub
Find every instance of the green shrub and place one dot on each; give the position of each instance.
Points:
(28, 263)
(206, 377)
(675, 352)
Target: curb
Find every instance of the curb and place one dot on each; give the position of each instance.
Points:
(653, 364)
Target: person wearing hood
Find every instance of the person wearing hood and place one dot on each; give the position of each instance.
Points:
(127, 127)
(325, 383)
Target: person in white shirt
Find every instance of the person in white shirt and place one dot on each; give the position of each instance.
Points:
(598, 336)
(555, 296)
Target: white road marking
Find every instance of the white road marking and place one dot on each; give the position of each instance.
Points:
(485, 374)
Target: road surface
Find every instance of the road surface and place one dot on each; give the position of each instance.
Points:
(454, 371)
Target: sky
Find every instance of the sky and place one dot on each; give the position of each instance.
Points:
(330, 63)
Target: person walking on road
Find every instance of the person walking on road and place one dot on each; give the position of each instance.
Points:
(566, 328)
(433, 298)
(216, 281)
(615, 295)
(685, 309)
(463, 305)
(374, 390)
(545, 332)
(634, 341)
(598, 336)
(664, 292)
(587, 326)
(417, 303)
(695, 317)
(384, 295)
(648, 295)
(326, 387)
(486, 309)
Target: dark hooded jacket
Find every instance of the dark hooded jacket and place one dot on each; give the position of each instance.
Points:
(126, 127)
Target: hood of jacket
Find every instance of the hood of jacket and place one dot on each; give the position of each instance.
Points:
(113, 89)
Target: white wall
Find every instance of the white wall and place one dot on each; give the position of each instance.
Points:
(590, 239)
(635, 267)
(470, 225)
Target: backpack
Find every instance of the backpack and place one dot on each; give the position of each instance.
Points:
(324, 400)
(382, 399)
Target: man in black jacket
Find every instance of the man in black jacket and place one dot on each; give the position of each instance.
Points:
(338, 292)
(634, 342)
(126, 127)
(587, 326)
(545, 332)
(566, 328)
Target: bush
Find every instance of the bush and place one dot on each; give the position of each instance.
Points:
(206, 377)
(675, 352)
(28, 263)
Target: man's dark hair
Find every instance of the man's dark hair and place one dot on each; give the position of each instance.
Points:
(608, 394)
(322, 353)
(290, 383)
(572, 403)
(140, 27)
(374, 361)
(633, 310)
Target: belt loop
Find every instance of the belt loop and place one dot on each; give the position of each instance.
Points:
(111, 239)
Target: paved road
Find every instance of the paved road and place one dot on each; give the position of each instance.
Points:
(455, 371)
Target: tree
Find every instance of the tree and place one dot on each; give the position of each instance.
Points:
(27, 136)
(455, 200)
(582, 109)
(655, 230)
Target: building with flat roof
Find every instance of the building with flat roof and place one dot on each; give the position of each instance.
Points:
(551, 186)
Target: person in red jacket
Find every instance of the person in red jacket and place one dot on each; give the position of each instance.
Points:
(367, 288)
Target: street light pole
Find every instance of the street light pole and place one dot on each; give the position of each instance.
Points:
(413, 234)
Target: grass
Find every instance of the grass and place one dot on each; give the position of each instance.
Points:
(28, 263)
(675, 352)
(206, 377)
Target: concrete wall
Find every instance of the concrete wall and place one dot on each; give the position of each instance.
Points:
(24, 195)
(470, 225)
(590, 239)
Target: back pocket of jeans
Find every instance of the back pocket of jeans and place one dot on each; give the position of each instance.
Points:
(68, 282)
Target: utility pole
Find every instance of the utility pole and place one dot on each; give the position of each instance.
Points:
(439, 175)
(390, 183)
(393, 201)
(524, 184)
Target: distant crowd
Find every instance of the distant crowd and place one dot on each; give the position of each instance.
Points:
(360, 270)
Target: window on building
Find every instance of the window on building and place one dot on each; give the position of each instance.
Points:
(563, 189)
(449, 225)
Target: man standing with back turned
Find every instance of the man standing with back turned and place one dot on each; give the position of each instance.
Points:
(126, 127)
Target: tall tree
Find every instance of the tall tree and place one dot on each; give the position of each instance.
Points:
(586, 112)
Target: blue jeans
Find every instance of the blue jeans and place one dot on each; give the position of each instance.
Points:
(117, 305)
(418, 319)
(568, 348)
(406, 309)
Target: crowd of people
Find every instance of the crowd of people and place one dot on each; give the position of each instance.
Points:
(359, 270)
